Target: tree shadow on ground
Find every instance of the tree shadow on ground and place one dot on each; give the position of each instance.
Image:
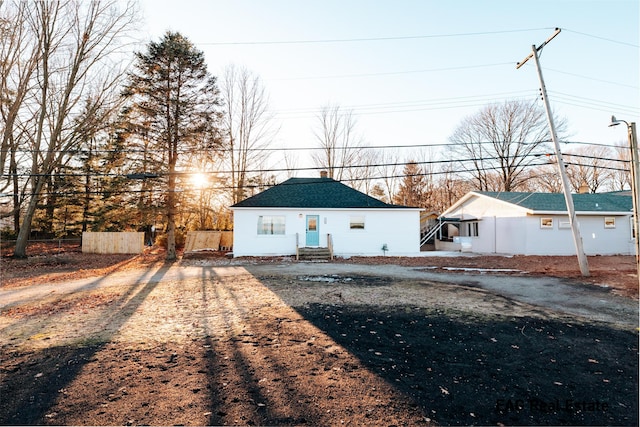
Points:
(234, 375)
(27, 393)
(463, 370)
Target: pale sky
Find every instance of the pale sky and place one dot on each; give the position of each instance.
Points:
(411, 70)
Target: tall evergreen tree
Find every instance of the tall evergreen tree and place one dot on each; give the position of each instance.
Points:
(412, 188)
(174, 104)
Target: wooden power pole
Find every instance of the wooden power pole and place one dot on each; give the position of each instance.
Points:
(577, 238)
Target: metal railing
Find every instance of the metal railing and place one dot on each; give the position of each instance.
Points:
(431, 233)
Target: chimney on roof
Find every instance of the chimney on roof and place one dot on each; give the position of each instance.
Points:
(323, 174)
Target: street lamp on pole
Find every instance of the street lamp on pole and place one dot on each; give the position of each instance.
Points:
(635, 181)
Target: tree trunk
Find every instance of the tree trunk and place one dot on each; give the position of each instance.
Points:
(20, 250)
(171, 220)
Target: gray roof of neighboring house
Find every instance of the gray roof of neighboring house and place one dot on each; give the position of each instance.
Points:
(550, 202)
(313, 193)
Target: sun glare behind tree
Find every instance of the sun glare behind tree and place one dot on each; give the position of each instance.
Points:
(199, 180)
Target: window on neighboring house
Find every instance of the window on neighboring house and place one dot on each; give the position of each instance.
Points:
(472, 229)
(356, 222)
(271, 224)
(546, 222)
(633, 228)
(564, 223)
(609, 222)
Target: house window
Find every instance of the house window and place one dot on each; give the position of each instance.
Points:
(269, 224)
(356, 222)
(472, 229)
(633, 228)
(609, 222)
(546, 222)
(564, 223)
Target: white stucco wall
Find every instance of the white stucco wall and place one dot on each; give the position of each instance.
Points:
(399, 229)
(522, 235)
(505, 228)
(596, 239)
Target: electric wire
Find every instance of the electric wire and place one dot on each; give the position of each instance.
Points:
(366, 39)
(356, 179)
(304, 148)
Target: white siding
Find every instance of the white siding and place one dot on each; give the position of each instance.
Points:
(596, 239)
(524, 236)
(480, 207)
(399, 229)
(508, 229)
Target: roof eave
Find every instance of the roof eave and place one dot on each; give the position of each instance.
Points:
(471, 194)
(390, 208)
(584, 213)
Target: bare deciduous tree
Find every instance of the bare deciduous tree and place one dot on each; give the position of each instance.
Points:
(390, 173)
(290, 163)
(360, 177)
(73, 71)
(621, 169)
(248, 125)
(337, 138)
(496, 144)
(588, 166)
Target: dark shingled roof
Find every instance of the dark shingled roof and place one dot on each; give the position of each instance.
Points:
(312, 193)
(590, 202)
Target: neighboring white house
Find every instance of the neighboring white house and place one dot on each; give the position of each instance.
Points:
(314, 212)
(537, 224)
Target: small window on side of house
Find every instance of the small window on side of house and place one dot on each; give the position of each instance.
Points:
(633, 228)
(609, 222)
(472, 229)
(356, 222)
(564, 223)
(546, 222)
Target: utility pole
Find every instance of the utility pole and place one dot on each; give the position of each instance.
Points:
(582, 258)
(635, 181)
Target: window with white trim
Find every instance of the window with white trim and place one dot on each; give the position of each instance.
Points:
(472, 229)
(609, 222)
(546, 222)
(270, 224)
(356, 222)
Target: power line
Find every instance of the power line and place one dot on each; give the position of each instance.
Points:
(310, 168)
(601, 38)
(391, 73)
(250, 186)
(594, 104)
(320, 168)
(594, 79)
(411, 106)
(400, 38)
(306, 148)
(368, 39)
(264, 186)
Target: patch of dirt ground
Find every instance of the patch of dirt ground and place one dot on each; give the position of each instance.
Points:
(217, 341)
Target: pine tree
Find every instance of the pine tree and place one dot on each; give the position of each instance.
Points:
(174, 106)
(412, 188)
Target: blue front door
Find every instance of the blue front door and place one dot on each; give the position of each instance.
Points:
(313, 232)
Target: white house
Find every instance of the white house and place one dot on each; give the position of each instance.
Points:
(322, 212)
(537, 224)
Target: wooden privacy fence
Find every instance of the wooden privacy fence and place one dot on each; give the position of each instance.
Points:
(208, 240)
(125, 242)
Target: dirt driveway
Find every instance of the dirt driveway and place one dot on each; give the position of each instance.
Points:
(279, 343)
